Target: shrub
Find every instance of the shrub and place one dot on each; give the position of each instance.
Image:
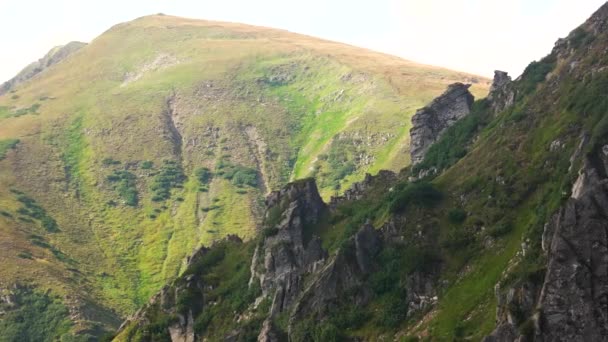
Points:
(457, 215)
(326, 332)
(394, 309)
(32, 209)
(38, 317)
(420, 194)
(457, 239)
(203, 175)
(169, 177)
(125, 186)
(109, 161)
(6, 145)
(535, 73)
(25, 255)
(268, 232)
(147, 165)
(239, 175)
(500, 229)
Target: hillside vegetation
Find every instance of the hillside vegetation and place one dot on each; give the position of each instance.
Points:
(505, 237)
(165, 133)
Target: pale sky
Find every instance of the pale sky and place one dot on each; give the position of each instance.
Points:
(476, 36)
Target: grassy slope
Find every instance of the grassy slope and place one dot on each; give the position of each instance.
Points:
(109, 100)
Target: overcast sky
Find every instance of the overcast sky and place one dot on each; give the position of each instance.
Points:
(477, 36)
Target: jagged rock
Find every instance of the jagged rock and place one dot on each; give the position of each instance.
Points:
(574, 299)
(502, 92)
(344, 273)
(183, 331)
(359, 189)
(431, 121)
(573, 302)
(503, 333)
(56, 55)
(268, 333)
(515, 305)
(280, 263)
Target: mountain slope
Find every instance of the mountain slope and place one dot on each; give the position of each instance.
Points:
(56, 55)
(164, 134)
(498, 234)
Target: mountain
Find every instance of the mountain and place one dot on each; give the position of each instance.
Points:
(56, 55)
(497, 233)
(165, 134)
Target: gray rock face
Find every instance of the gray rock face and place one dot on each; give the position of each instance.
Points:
(268, 333)
(343, 273)
(280, 263)
(573, 302)
(431, 121)
(502, 92)
(56, 55)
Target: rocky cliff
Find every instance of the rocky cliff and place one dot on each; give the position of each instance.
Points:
(502, 92)
(431, 121)
(571, 304)
(56, 55)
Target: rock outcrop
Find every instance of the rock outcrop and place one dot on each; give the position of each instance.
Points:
(572, 304)
(431, 121)
(56, 55)
(358, 190)
(502, 92)
(287, 254)
(343, 273)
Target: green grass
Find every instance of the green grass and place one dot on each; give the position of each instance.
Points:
(7, 145)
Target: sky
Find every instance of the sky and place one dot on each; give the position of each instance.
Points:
(476, 36)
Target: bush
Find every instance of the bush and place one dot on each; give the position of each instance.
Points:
(203, 175)
(38, 317)
(125, 186)
(239, 175)
(109, 161)
(500, 229)
(535, 73)
(326, 332)
(32, 209)
(6, 145)
(147, 165)
(457, 239)
(394, 310)
(420, 194)
(457, 215)
(268, 232)
(169, 177)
